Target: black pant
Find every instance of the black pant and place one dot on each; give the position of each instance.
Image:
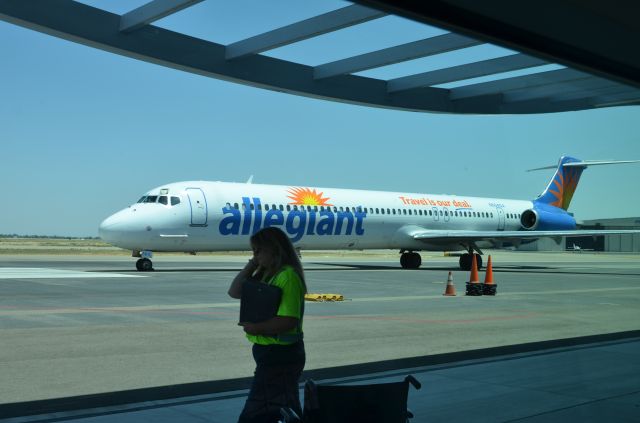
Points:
(275, 382)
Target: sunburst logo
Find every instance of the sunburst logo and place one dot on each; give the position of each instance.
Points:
(307, 197)
(565, 184)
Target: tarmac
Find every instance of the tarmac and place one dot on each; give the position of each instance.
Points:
(559, 342)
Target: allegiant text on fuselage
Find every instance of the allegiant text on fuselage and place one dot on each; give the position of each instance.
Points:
(296, 223)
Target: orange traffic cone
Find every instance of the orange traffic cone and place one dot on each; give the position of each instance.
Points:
(474, 288)
(450, 290)
(473, 278)
(489, 286)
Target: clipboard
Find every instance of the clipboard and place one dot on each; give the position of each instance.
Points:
(259, 301)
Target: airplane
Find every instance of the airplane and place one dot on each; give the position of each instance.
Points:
(575, 247)
(198, 216)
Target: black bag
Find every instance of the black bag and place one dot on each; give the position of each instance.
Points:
(259, 301)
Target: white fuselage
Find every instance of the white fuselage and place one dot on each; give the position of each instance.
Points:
(219, 216)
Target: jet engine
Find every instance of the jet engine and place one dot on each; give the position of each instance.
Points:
(543, 217)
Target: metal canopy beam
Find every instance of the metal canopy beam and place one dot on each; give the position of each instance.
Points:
(559, 31)
(462, 72)
(77, 22)
(151, 12)
(409, 51)
(622, 99)
(544, 92)
(312, 27)
(519, 82)
(554, 90)
(594, 93)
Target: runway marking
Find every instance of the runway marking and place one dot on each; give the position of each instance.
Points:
(44, 273)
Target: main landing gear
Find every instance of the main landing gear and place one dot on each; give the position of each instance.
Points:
(410, 260)
(465, 261)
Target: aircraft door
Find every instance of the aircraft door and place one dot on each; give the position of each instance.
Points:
(447, 215)
(501, 218)
(435, 214)
(198, 205)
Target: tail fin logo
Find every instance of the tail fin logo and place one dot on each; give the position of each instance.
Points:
(563, 185)
(307, 197)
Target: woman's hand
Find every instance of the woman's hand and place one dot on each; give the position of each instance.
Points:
(251, 266)
(235, 290)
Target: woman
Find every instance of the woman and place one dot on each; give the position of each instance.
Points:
(278, 349)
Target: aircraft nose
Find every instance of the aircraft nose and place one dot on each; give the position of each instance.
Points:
(119, 228)
(109, 227)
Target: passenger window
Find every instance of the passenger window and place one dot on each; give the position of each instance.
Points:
(251, 206)
(288, 207)
(281, 207)
(163, 200)
(176, 200)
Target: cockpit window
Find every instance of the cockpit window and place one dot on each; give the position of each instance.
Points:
(162, 199)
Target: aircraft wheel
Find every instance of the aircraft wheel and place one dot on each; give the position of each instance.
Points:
(416, 260)
(144, 265)
(410, 260)
(465, 262)
(404, 260)
(479, 261)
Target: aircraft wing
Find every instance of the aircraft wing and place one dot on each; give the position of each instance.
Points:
(437, 235)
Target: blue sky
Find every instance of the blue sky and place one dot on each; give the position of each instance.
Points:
(84, 133)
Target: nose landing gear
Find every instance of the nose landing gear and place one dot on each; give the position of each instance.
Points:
(144, 265)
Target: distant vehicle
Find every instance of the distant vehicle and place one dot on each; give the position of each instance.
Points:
(200, 216)
(577, 248)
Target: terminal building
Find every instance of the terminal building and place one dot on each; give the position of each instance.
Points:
(609, 243)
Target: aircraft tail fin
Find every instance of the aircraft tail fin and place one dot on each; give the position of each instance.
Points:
(564, 182)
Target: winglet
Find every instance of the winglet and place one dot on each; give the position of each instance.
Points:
(250, 180)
